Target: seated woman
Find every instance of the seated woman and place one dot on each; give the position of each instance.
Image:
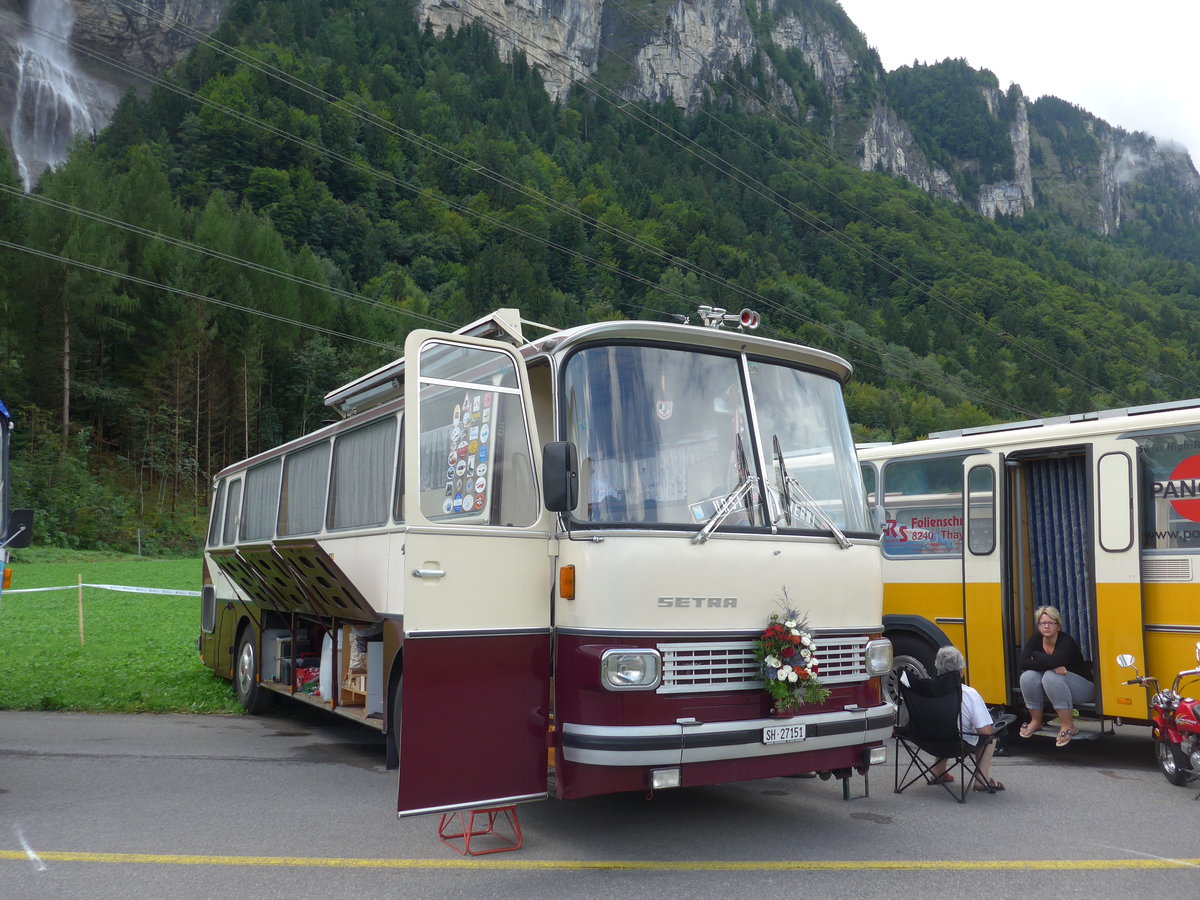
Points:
(974, 721)
(1053, 666)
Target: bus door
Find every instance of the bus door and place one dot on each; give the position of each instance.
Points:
(1119, 625)
(983, 607)
(1071, 531)
(474, 696)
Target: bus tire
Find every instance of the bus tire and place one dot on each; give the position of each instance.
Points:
(909, 654)
(393, 726)
(250, 694)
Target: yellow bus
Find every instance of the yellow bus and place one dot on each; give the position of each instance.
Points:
(1097, 514)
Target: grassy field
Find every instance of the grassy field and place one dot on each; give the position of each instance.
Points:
(138, 652)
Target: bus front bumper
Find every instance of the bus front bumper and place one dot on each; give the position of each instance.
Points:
(693, 741)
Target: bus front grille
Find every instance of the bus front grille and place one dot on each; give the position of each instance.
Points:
(730, 666)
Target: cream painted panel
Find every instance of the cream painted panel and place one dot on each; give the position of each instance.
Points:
(667, 583)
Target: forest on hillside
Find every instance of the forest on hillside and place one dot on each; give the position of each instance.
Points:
(270, 221)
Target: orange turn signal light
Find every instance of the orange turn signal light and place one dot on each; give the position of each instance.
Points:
(566, 582)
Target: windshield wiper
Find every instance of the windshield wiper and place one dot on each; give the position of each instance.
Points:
(733, 500)
(804, 502)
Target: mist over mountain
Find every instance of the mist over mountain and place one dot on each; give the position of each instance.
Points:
(289, 187)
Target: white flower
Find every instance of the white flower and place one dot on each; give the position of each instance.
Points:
(795, 633)
(771, 662)
(807, 654)
(785, 673)
(806, 640)
(790, 623)
(793, 675)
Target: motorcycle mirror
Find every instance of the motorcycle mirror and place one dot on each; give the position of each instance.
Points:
(1127, 660)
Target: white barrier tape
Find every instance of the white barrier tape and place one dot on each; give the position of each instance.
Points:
(107, 587)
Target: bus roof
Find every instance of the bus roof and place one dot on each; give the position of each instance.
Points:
(1046, 432)
(387, 382)
(1072, 419)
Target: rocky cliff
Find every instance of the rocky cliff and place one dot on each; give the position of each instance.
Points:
(810, 65)
(65, 63)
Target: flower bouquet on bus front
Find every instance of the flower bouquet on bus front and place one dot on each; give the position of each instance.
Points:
(787, 654)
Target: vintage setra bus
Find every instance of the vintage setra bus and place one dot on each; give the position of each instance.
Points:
(570, 618)
(1095, 514)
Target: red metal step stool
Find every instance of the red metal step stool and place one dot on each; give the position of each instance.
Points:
(454, 826)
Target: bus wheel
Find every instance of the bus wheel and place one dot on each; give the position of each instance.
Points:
(911, 655)
(393, 729)
(253, 698)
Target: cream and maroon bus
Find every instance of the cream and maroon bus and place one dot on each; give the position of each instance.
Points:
(1096, 514)
(429, 567)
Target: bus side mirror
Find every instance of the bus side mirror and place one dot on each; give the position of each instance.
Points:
(20, 529)
(560, 475)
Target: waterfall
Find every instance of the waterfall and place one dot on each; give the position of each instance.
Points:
(54, 100)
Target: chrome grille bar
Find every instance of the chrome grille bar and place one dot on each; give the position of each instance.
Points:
(696, 667)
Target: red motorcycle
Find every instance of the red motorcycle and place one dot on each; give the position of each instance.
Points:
(1176, 723)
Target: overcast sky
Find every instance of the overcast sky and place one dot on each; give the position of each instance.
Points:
(1135, 65)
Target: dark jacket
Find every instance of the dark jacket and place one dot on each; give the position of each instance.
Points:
(1066, 653)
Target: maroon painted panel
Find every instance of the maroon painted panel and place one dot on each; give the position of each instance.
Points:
(473, 721)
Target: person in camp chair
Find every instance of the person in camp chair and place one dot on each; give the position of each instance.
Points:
(974, 721)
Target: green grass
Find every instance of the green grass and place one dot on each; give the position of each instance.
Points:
(139, 650)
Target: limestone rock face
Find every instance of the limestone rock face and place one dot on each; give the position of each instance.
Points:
(1011, 198)
(64, 64)
(150, 41)
(700, 43)
(561, 38)
(888, 146)
(675, 51)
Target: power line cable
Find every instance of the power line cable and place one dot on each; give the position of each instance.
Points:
(191, 295)
(466, 210)
(881, 189)
(749, 182)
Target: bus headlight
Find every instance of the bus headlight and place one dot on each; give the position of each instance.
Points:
(631, 670)
(879, 657)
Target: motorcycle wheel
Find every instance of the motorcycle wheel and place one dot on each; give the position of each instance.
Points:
(1171, 761)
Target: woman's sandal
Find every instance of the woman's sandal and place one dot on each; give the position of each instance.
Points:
(1064, 736)
(944, 778)
(1027, 730)
(992, 787)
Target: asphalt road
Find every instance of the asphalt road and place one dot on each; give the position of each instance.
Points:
(298, 805)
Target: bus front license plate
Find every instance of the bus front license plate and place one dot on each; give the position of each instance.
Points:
(782, 734)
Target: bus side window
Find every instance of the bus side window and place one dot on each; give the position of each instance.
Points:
(233, 512)
(981, 510)
(262, 501)
(302, 495)
(214, 527)
(924, 503)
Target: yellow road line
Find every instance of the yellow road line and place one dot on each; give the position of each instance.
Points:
(180, 859)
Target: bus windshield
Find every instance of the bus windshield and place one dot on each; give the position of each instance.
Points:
(675, 437)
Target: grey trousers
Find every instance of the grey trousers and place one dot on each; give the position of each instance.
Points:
(1064, 691)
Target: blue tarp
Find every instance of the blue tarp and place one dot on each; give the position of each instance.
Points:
(4, 412)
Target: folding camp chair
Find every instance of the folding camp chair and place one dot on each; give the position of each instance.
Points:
(933, 706)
